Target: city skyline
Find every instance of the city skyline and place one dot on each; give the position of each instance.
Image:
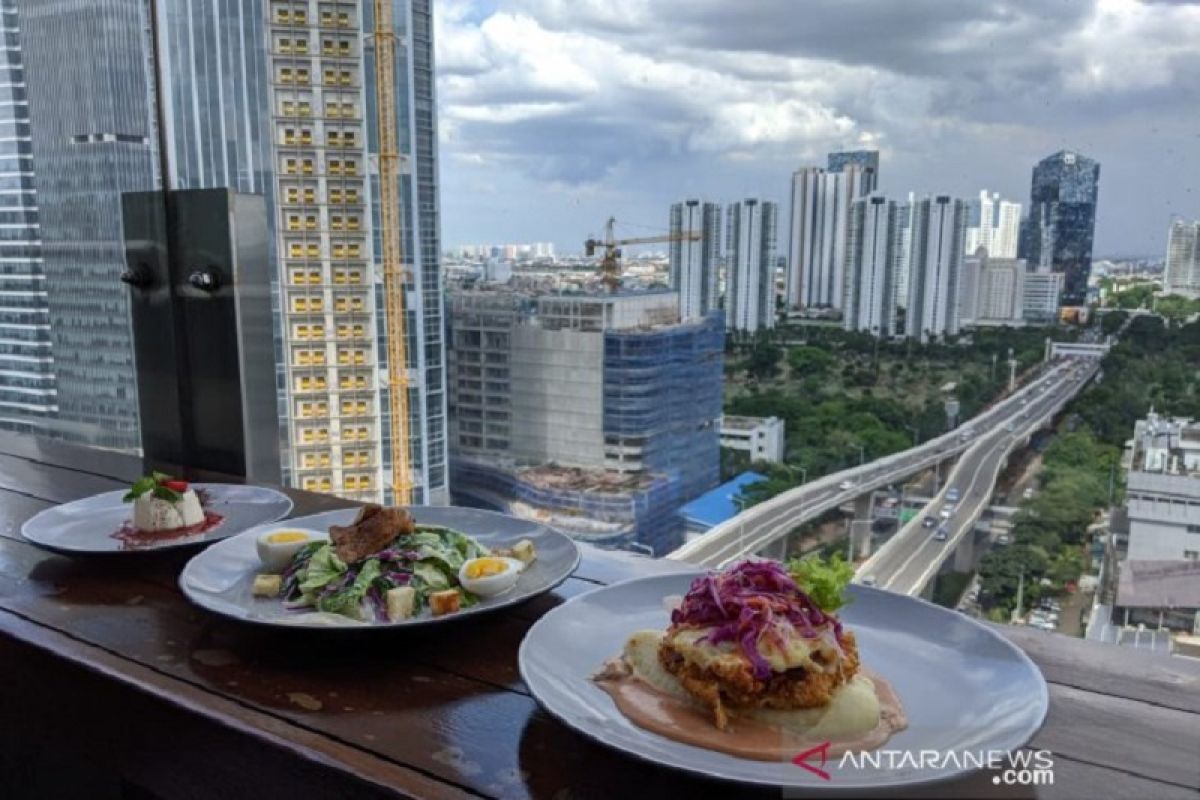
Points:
(544, 140)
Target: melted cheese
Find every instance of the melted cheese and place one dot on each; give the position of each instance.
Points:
(792, 652)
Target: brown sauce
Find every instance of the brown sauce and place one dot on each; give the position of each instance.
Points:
(676, 719)
(132, 538)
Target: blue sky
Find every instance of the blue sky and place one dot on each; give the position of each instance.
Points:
(555, 114)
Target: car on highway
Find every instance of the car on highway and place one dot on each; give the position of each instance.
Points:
(942, 534)
(952, 494)
(847, 484)
(868, 580)
(1010, 427)
(946, 511)
(928, 522)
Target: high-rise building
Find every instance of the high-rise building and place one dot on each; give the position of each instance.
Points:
(1182, 271)
(750, 284)
(280, 104)
(995, 224)
(935, 263)
(873, 250)
(88, 77)
(904, 254)
(695, 247)
(28, 398)
(1000, 298)
(1062, 221)
(1040, 297)
(968, 284)
(865, 160)
(322, 102)
(820, 210)
(598, 413)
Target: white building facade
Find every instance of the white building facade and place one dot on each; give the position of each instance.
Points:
(817, 231)
(750, 284)
(995, 224)
(695, 250)
(1182, 272)
(873, 249)
(935, 264)
(1163, 490)
(761, 437)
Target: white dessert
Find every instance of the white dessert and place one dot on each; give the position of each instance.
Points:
(151, 513)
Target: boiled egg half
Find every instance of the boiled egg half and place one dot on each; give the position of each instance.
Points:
(488, 576)
(277, 548)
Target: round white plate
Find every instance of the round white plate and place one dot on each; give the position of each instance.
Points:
(964, 687)
(88, 525)
(220, 578)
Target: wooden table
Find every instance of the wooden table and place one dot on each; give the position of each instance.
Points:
(112, 685)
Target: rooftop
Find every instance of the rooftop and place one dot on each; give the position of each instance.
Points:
(731, 423)
(719, 504)
(1159, 584)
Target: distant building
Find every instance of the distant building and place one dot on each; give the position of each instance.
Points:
(750, 285)
(1163, 489)
(873, 250)
(935, 263)
(716, 505)
(865, 160)
(1160, 579)
(995, 224)
(1000, 291)
(27, 394)
(596, 413)
(968, 285)
(1040, 295)
(761, 437)
(820, 211)
(1182, 271)
(694, 260)
(1062, 221)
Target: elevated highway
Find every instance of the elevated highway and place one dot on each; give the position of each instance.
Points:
(760, 526)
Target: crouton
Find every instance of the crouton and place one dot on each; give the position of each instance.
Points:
(524, 552)
(267, 585)
(401, 602)
(447, 602)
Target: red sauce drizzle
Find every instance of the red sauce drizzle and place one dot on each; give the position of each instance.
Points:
(132, 538)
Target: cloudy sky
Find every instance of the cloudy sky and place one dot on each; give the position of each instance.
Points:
(556, 114)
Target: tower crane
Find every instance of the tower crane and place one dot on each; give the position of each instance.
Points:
(391, 252)
(610, 267)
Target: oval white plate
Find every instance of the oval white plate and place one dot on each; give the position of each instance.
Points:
(220, 578)
(964, 687)
(88, 525)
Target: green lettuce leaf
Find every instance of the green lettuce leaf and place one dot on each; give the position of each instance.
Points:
(323, 567)
(348, 601)
(824, 581)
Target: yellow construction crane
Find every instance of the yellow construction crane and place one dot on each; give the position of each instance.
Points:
(392, 252)
(610, 267)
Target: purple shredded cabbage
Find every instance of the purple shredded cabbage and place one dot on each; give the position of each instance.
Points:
(748, 601)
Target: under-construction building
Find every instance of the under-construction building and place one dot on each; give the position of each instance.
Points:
(596, 413)
(334, 371)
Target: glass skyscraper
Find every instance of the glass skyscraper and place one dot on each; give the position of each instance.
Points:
(91, 112)
(27, 393)
(1062, 221)
(276, 99)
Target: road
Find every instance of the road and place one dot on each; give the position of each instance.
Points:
(910, 559)
(762, 524)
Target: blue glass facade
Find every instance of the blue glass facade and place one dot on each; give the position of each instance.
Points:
(94, 137)
(27, 390)
(866, 160)
(1057, 237)
(662, 395)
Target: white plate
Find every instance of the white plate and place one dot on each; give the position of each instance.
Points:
(964, 687)
(89, 525)
(220, 578)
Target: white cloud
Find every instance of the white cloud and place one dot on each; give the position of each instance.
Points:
(600, 95)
